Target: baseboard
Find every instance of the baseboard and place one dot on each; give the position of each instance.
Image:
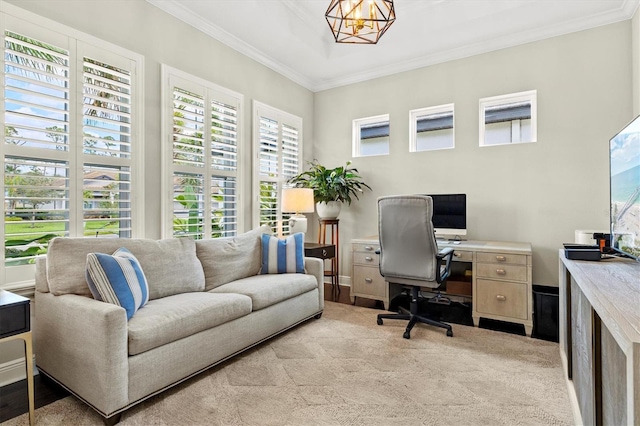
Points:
(14, 371)
(344, 280)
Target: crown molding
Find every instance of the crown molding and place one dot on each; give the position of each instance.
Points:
(174, 7)
(177, 10)
(626, 11)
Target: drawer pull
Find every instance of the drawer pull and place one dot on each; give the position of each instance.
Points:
(501, 272)
(456, 254)
(501, 258)
(324, 252)
(368, 258)
(368, 280)
(501, 297)
(368, 248)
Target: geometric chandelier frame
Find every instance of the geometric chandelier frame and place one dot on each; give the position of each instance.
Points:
(360, 21)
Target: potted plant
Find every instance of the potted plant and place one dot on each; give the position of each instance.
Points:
(331, 187)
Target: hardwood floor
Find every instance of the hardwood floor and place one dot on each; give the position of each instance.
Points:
(14, 400)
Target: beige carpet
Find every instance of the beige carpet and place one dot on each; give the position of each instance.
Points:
(345, 370)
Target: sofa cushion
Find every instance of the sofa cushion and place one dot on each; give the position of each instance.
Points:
(231, 258)
(118, 280)
(170, 265)
(267, 290)
(171, 318)
(282, 256)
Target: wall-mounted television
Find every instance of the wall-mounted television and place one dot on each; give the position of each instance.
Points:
(449, 214)
(624, 167)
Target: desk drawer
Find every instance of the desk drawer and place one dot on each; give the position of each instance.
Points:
(367, 248)
(366, 258)
(367, 280)
(515, 259)
(502, 272)
(502, 298)
(463, 256)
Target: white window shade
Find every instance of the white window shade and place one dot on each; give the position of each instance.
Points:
(36, 113)
(188, 128)
(106, 193)
(106, 110)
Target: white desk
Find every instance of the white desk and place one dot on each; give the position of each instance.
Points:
(494, 275)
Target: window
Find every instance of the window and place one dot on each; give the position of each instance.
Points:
(278, 147)
(431, 128)
(371, 136)
(508, 119)
(72, 147)
(201, 134)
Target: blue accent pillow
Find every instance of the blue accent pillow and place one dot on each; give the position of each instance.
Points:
(117, 279)
(283, 256)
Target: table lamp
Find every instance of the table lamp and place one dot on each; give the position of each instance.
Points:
(297, 200)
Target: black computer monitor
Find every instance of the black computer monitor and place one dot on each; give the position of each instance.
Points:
(449, 215)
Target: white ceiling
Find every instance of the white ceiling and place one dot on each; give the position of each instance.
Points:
(293, 38)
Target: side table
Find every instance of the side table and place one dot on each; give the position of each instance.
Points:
(325, 251)
(15, 323)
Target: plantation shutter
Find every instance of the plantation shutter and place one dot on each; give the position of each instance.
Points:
(71, 143)
(224, 162)
(36, 148)
(107, 142)
(204, 159)
(189, 163)
(279, 155)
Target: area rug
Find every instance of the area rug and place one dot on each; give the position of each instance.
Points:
(344, 369)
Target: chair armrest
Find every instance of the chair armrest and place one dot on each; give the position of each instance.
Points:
(82, 343)
(315, 267)
(445, 254)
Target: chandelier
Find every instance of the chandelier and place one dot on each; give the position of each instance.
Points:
(360, 21)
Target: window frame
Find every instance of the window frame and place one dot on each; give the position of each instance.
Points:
(79, 45)
(356, 131)
(529, 96)
(212, 92)
(283, 118)
(415, 114)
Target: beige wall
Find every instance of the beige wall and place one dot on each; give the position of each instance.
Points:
(538, 192)
(162, 39)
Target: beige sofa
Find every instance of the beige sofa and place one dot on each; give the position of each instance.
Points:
(207, 302)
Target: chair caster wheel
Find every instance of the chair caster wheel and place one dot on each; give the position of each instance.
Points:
(449, 333)
(406, 335)
(379, 321)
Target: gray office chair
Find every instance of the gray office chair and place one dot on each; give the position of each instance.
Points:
(409, 254)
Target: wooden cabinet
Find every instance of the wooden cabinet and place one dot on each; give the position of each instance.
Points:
(366, 280)
(503, 288)
(500, 278)
(600, 339)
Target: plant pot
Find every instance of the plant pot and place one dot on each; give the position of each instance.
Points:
(328, 210)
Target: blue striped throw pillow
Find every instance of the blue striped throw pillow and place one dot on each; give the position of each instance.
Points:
(117, 279)
(283, 256)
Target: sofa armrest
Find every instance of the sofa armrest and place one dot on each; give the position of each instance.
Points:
(315, 266)
(82, 343)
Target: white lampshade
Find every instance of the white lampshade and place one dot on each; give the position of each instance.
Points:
(297, 200)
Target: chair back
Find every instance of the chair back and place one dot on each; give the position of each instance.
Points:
(408, 247)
